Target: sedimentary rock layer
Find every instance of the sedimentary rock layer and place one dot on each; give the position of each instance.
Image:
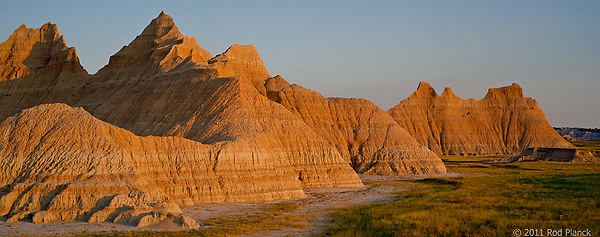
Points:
(61, 163)
(176, 128)
(362, 132)
(503, 122)
(31, 51)
(37, 67)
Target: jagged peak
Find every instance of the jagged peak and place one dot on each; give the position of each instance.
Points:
(448, 92)
(161, 27)
(48, 32)
(29, 50)
(49, 25)
(425, 89)
(160, 48)
(423, 84)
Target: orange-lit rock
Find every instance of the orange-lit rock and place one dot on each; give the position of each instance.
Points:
(156, 128)
(61, 163)
(503, 122)
(37, 67)
(363, 133)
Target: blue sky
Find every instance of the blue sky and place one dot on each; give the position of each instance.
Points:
(378, 50)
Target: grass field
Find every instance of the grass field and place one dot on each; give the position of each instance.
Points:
(593, 146)
(491, 200)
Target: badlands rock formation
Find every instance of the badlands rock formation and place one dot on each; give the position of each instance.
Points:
(61, 163)
(579, 134)
(37, 67)
(362, 132)
(164, 124)
(503, 122)
(43, 51)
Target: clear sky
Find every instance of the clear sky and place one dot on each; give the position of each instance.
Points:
(378, 50)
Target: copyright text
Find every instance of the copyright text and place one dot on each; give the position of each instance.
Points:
(551, 232)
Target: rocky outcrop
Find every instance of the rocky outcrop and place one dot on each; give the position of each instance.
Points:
(61, 163)
(503, 122)
(579, 134)
(158, 217)
(197, 137)
(31, 51)
(363, 133)
(552, 154)
(161, 48)
(228, 109)
(37, 67)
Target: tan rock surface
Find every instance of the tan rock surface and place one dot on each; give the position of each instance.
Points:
(503, 122)
(36, 67)
(61, 163)
(229, 109)
(71, 165)
(29, 51)
(157, 218)
(363, 133)
(161, 48)
(242, 61)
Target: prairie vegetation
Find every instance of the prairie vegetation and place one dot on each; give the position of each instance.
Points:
(593, 146)
(491, 200)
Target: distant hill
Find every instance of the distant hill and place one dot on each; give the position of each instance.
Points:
(579, 134)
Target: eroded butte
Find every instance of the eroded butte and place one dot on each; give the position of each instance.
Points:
(165, 124)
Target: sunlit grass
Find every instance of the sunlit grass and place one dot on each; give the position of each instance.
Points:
(493, 201)
(593, 146)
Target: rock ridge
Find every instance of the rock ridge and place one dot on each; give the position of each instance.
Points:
(113, 166)
(364, 134)
(156, 128)
(30, 51)
(503, 122)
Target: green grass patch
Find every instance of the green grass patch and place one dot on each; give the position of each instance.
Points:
(593, 146)
(590, 145)
(494, 200)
